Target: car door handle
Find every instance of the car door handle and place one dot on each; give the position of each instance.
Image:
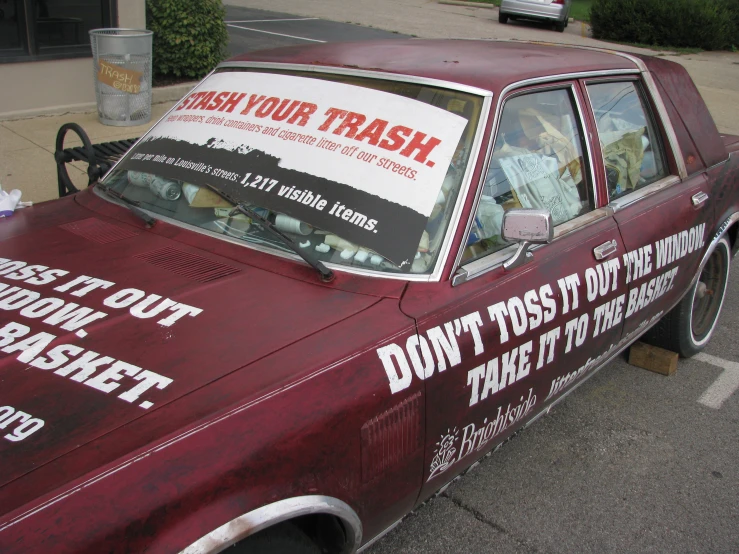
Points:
(698, 198)
(606, 249)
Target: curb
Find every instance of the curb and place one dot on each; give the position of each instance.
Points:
(468, 4)
(172, 92)
(479, 5)
(159, 95)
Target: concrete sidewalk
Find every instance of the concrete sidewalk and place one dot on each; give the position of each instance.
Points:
(27, 145)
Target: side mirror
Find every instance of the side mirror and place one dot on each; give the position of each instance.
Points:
(526, 227)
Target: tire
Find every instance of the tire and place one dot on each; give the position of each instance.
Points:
(559, 26)
(502, 18)
(689, 326)
(280, 539)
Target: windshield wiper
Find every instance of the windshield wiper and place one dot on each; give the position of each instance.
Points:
(326, 274)
(132, 205)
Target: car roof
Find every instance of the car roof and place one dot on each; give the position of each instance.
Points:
(490, 65)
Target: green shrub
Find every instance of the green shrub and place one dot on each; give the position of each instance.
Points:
(733, 8)
(707, 24)
(189, 36)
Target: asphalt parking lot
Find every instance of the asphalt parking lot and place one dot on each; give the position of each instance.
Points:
(250, 29)
(632, 461)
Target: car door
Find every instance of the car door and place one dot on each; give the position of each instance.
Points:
(496, 346)
(662, 217)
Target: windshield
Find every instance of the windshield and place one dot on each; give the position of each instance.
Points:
(363, 172)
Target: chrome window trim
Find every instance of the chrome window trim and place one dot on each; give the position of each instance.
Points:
(257, 520)
(654, 93)
(381, 534)
(627, 199)
(464, 272)
(648, 81)
(492, 261)
(314, 68)
(446, 243)
(464, 191)
(586, 139)
(581, 221)
(552, 79)
(597, 132)
(714, 166)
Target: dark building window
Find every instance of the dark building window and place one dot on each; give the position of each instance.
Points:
(50, 29)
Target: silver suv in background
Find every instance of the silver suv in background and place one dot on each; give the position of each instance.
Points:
(557, 11)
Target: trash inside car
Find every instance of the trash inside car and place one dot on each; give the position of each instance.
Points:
(333, 277)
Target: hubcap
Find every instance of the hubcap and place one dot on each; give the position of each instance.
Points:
(706, 303)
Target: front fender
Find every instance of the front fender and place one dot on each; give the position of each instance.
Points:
(248, 524)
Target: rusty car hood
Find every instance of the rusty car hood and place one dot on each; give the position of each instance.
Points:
(130, 322)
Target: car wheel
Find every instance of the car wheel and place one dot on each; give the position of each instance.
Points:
(502, 18)
(689, 326)
(280, 539)
(559, 26)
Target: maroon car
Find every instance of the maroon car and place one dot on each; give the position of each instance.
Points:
(333, 277)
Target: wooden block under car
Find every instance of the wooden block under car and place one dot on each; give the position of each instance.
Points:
(653, 358)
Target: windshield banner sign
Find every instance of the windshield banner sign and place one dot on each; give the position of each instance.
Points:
(364, 164)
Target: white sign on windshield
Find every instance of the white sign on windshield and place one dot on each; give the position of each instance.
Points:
(365, 164)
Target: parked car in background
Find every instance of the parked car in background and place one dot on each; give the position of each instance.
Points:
(333, 277)
(555, 11)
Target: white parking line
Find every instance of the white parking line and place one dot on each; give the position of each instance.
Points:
(271, 20)
(723, 387)
(271, 33)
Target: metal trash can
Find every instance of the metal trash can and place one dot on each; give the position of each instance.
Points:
(122, 64)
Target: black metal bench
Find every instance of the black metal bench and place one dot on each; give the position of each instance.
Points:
(98, 157)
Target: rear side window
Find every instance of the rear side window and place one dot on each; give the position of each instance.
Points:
(537, 163)
(632, 153)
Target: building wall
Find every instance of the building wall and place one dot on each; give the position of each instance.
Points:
(132, 14)
(45, 87)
